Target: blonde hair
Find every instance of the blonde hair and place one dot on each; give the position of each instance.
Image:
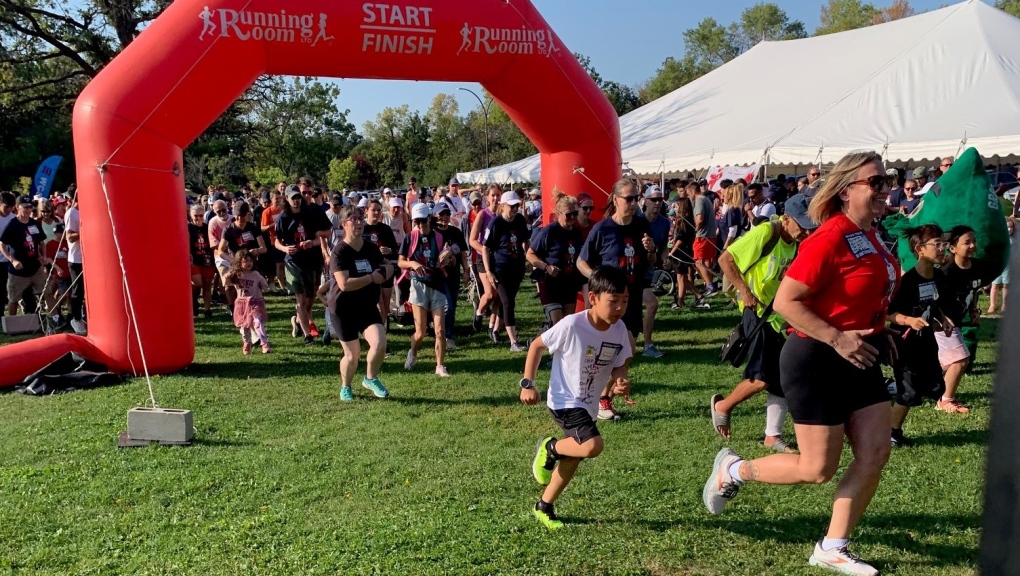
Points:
(734, 195)
(563, 202)
(827, 202)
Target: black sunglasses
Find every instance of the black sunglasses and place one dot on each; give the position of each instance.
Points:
(654, 199)
(631, 199)
(572, 214)
(587, 208)
(421, 220)
(877, 183)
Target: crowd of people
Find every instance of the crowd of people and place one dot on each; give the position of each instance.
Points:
(823, 301)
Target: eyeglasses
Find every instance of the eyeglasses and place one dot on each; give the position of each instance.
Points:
(630, 199)
(355, 220)
(814, 173)
(572, 214)
(938, 244)
(877, 183)
(221, 211)
(947, 164)
(909, 189)
(587, 208)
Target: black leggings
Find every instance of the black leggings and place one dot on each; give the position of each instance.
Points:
(508, 282)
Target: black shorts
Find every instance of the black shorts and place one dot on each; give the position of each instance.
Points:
(576, 423)
(763, 353)
(918, 371)
(553, 291)
(822, 387)
(633, 318)
(396, 272)
(350, 323)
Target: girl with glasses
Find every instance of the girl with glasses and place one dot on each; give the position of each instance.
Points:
(553, 252)
(476, 240)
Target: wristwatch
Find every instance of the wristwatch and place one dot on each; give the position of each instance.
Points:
(527, 383)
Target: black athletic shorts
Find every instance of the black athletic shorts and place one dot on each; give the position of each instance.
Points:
(633, 318)
(822, 387)
(918, 370)
(576, 423)
(763, 353)
(554, 291)
(350, 323)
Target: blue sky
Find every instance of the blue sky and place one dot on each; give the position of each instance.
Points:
(597, 29)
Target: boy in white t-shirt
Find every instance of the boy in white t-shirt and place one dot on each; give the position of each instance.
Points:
(588, 349)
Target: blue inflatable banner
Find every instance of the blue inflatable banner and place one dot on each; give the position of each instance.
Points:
(44, 176)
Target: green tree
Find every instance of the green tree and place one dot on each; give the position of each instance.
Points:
(622, 97)
(710, 44)
(269, 176)
(843, 15)
(1011, 6)
(765, 21)
(672, 75)
(342, 173)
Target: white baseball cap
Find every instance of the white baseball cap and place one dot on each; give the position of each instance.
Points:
(363, 203)
(396, 203)
(387, 191)
(510, 198)
(420, 210)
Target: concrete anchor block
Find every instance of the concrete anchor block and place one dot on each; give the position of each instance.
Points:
(163, 425)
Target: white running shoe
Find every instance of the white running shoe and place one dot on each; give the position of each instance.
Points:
(606, 411)
(450, 345)
(441, 371)
(720, 487)
(79, 327)
(841, 560)
(411, 360)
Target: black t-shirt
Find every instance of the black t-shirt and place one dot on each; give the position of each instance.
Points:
(426, 252)
(201, 253)
(505, 240)
(920, 297)
(559, 247)
(454, 239)
(238, 238)
(358, 263)
(294, 228)
(684, 235)
(964, 284)
(24, 241)
(612, 244)
(381, 235)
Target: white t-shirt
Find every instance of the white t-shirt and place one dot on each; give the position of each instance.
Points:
(765, 209)
(72, 223)
(4, 221)
(582, 360)
(459, 210)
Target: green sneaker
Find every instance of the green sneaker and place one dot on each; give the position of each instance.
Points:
(543, 464)
(548, 519)
(376, 387)
(345, 394)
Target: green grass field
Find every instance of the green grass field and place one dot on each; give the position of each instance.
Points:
(284, 479)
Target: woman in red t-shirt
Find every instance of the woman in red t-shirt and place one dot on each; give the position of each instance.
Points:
(835, 296)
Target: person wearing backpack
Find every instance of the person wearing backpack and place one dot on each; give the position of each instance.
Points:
(422, 257)
(755, 265)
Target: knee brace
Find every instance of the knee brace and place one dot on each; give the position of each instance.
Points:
(548, 309)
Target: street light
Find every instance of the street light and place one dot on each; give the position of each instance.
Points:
(485, 116)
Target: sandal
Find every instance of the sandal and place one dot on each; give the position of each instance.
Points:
(718, 418)
(781, 446)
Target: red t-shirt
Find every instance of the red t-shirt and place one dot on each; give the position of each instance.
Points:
(851, 275)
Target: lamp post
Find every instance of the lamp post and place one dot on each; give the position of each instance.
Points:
(485, 116)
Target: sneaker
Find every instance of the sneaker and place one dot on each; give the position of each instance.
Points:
(712, 290)
(720, 487)
(547, 518)
(442, 372)
(265, 348)
(376, 387)
(313, 330)
(295, 330)
(676, 306)
(477, 323)
(494, 336)
(651, 351)
(543, 464)
(700, 303)
(606, 411)
(951, 406)
(327, 338)
(346, 395)
(517, 347)
(246, 348)
(450, 345)
(841, 560)
(79, 327)
(899, 440)
(411, 360)
(309, 340)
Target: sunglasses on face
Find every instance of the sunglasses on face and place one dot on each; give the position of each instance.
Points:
(421, 221)
(814, 174)
(587, 208)
(947, 165)
(910, 188)
(514, 207)
(654, 199)
(221, 211)
(570, 214)
(630, 199)
(876, 183)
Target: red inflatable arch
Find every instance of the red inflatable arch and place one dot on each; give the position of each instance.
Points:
(132, 122)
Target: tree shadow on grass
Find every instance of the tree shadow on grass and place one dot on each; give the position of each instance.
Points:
(954, 438)
(903, 531)
(240, 369)
(489, 401)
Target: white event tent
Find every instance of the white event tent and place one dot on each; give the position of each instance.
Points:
(914, 90)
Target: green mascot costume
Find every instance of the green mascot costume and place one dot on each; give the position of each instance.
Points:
(963, 195)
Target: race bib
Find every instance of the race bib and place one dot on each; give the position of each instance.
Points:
(927, 292)
(33, 230)
(859, 244)
(363, 266)
(247, 237)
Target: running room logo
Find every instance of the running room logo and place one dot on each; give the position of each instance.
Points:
(506, 41)
(263, 26)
